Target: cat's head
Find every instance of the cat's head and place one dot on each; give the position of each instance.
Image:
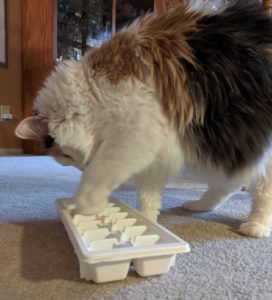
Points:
(66, 153)
(60, 122)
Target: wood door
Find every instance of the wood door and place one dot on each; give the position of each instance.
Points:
(39, 42)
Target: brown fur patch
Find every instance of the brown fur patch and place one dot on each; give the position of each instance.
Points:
(153, 50)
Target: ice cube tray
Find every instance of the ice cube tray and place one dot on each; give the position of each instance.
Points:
(107, 244)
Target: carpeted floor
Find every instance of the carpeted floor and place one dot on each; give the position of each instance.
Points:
(37, 260)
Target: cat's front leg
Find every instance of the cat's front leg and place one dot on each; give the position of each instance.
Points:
(99, 179)
(150, 187)
(91, 197)
(113, 164)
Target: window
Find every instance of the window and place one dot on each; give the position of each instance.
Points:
(84, 24)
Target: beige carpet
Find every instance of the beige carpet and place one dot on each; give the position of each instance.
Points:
(37, 260)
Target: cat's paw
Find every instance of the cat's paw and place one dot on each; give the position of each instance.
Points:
(151, 215)
(255, 229)
(87, 208)
(196, 205)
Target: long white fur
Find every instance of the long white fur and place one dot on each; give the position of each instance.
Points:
(114, 132)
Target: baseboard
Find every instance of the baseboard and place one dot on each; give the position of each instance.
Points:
(11, 151)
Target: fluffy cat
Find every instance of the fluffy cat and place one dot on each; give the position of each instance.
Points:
(182, 89)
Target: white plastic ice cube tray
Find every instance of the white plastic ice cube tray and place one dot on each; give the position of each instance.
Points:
(106, 244)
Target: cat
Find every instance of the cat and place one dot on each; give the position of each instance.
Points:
(185, 88)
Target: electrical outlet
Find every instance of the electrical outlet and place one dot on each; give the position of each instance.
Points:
(5, 113)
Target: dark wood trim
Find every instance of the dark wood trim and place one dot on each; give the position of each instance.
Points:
(5, 64)
(113, 16)
(159, 6)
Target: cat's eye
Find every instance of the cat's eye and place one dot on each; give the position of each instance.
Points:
(67, 156)
(48, 141)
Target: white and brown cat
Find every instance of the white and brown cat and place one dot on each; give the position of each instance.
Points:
(181, 89)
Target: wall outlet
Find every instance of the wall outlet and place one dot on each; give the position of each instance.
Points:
(5, 113)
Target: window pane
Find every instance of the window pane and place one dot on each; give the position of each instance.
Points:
(82, 25)
(129, 10)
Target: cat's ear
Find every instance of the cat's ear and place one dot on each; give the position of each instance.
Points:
(32, 128)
